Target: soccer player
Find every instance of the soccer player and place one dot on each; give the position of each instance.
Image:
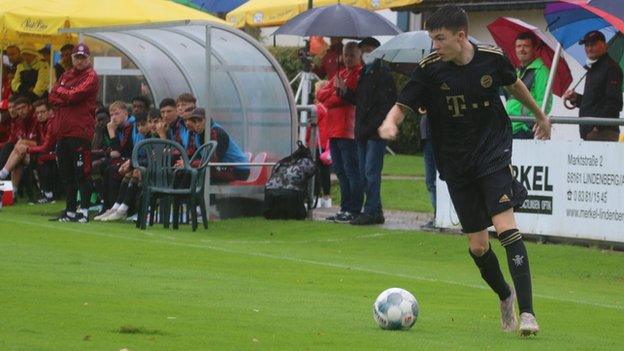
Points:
(458, 84)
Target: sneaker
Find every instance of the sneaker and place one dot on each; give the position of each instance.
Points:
(528, 324)
(509, 322)
(115, 216)
(45, 200)
(102, 216)
(368, 219)
(344, 217)
(78, 218)
(332, 218)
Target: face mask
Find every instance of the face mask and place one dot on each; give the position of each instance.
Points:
(367, 58)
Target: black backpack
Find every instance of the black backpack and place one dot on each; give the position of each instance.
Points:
(285, 191)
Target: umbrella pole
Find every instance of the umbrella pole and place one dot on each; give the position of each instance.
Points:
(551, 77)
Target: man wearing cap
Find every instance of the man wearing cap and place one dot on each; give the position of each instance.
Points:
(602, 96)
(373, 97)
(74, 99)
(32, 75)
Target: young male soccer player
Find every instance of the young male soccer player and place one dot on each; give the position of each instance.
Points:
(471, 133)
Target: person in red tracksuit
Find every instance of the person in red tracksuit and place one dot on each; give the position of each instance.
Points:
(341, 124)
(74, 99)
(41, 143)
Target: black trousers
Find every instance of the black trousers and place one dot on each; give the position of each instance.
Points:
(74, 161)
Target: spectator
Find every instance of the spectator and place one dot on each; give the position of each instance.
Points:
(74, 97)
(534, 74)
(323, 159)
(332, 62)
(65, 63)
(602, 96)
(14, 55)
(341, 121)
(32, 75)
(373, 98)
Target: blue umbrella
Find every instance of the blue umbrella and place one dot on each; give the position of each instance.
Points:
(569, 21)
(338, 21)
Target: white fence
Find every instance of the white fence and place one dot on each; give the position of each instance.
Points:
(576, 190)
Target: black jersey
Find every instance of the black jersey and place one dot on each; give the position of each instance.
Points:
(470, 128)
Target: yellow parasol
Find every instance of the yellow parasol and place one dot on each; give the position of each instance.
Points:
(38, 21)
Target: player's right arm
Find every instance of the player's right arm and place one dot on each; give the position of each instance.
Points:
(411, 98)
(390, 126)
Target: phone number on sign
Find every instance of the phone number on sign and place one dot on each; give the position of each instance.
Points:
(587, 196)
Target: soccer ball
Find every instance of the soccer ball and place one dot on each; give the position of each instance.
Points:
(395, 308)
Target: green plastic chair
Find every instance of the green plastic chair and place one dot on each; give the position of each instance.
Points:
(155, 159)
(199, 161)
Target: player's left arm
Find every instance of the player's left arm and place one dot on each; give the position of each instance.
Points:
(542, 123)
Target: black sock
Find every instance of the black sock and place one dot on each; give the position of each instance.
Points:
(518, 260)
(131, 194)
(123, 189)
(491, 273)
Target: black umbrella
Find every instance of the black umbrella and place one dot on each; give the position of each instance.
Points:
(338, 21)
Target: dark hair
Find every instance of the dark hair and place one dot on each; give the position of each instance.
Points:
(153, 113)
(528, 36)
(167, 102)
(451, 17)
(21, 100)
(187, 97)
(144, 99)
(67, 47)
(41, 102)
(140, 118)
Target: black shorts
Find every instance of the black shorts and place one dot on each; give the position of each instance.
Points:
(478, 201)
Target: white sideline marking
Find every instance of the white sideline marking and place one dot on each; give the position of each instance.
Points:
(171, 241)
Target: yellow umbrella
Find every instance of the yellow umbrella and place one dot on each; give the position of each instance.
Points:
(265, 13)
(38, 21)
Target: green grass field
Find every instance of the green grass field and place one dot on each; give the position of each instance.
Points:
(252, 284)
(404, 165)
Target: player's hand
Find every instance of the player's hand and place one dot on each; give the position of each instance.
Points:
(541, 129)
(388, 130)
(178, 164)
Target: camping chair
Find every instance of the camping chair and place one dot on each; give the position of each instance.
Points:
(199, 161)
(155, 159)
